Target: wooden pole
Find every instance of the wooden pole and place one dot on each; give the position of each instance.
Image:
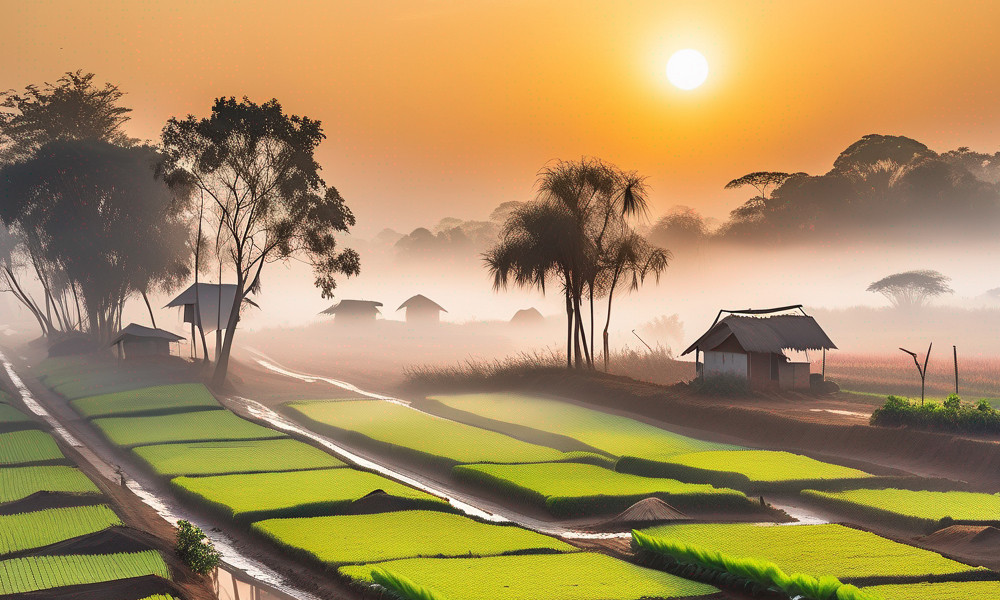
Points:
(824, 364)
(954, 351)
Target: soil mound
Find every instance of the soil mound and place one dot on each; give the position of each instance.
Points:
(122, 589)
(644, 512)
(965, 536)
(109, 541)
(378, 501)
(44, 500)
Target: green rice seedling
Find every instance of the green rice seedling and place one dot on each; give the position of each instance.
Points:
(346, 539)
(12, 419)
(396, 428)
(259, 496)
(31, 573)
(616, 435)
(201, 426)
(25, 531)
(249, 456)
(162, 399)
(957, 590)
(748, 470)
(28, 446)
(568, 489)
(835, 550)
(576, 576)
(403, 587)
(20, 482)
(918, 510)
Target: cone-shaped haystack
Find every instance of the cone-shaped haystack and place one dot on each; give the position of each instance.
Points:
(649, 510)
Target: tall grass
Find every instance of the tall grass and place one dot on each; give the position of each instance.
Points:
(762, 573)
(403, 587)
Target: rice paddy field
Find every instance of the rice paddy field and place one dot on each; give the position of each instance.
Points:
(28, 446)
(26, 531)
(28, 574)
(250, 456)
(162, 399)
(918, 509)
(568, 489)
(433, 438)
(214, 425)
(958, 590)
(616, 435)
(11, 419)
(748, 470)
(258, 496)
(578, 576)
(20, 482)
(834, 550)
(352, 539)
(82, 376)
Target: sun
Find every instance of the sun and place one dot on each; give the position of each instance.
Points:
(687, 69)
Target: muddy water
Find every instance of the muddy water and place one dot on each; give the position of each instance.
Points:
(239, 578)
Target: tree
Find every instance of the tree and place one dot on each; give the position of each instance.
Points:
(911, 289)
(760, 181)
(256, 164)
(101, 219)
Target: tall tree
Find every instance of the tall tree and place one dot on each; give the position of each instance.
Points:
(911, 289)
(256, 163)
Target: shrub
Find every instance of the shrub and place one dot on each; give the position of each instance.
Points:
(195, 549)
(951, 415)
(721, 385)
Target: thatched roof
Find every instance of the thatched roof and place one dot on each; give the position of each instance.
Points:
(138, 331)
(353, 306)
(648, 510)
(421, 302)
(766, 334)
(215, 302)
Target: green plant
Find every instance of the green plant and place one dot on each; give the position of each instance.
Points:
(721, 385)
(918, 510)
(28, 446)
(161, 399)
(25, 531)
(195, 549)
(951, 415)
(243, 456)
(31, 573)
(953, 402)
(20, 482)
(403, 587)
(206, 425)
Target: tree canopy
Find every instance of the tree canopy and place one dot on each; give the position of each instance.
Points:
(911, 289)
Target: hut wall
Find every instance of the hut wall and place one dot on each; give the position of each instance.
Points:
(146, 347)
(725, 363)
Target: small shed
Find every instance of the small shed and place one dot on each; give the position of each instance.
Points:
(527, 317)
(421, 309)
(136, 341)
(215, 300)
(354, 311)
(752, 344)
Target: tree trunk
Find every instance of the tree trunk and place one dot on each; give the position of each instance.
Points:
(222, 366)
(148, 307)
(607, 323)
(578, 305)
(593, 357)
(569, 331)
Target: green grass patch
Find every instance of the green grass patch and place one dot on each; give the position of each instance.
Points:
(616, 435)
(28, 446)
(26, 531)
(923, 510)
(353, 539)
(260, 496)
(20, 482)
(201, 426)
(161, 399)
(578, 576)
(11, 419)
(20, 575)
(249, 456)
(402, 429)
(833, 550)
(568, 489)
(957, 590)
(749, 470)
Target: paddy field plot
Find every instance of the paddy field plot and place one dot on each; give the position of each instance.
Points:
(12, 419)
(249, 456)
(28, 574)
(26, 531)
(616, 435)
(258, 496)
(20, 482)
(28, 446)
(405, 429)
(959, 590)
(918, 509)
(577, 576)
(351, 539)
(570, 489)
(834, 550)
(161, 399)
(207, 425)
(748, 470)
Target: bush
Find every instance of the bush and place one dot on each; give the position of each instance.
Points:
(721, 385)
(195, 549)
(952, 415)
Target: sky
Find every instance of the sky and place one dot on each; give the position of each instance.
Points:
(437, 108)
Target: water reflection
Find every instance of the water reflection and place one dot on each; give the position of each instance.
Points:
(231, 585)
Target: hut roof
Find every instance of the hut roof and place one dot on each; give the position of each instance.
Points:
(208, 295)
(421, 301)
(648, 510)
(527, 315)
(766, 334)
(138, 331)
(352, 306)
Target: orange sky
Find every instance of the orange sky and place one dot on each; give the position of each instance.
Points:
(437, 108)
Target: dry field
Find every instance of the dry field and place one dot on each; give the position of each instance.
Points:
(883, 374)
